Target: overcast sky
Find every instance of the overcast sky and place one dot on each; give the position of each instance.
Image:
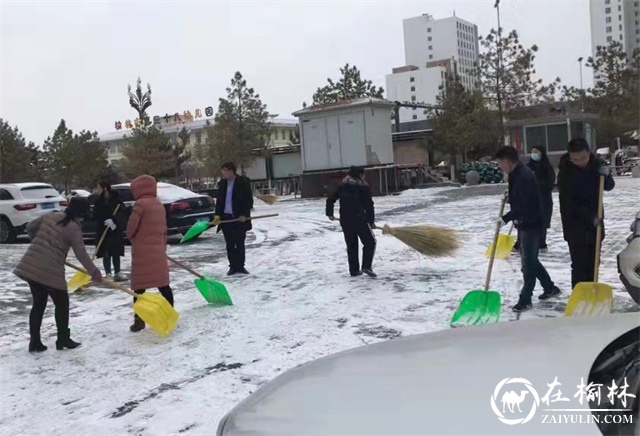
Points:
(73, 60)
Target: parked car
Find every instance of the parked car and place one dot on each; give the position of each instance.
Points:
(21, 203)
(629, 261)
(73, 193)
(183, 207)
(529, 377)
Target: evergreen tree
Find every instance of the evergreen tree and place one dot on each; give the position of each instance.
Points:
(18, 162)
(148, 151)
(350, 86)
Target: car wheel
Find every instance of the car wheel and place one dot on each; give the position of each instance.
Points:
(7, 232)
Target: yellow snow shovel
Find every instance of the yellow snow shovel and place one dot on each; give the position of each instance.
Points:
(80, 279)
(154, 309)
(592, 298)
(504, 246)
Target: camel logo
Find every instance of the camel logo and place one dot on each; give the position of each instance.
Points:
(512, 400)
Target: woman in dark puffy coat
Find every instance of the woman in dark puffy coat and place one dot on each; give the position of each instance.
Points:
(546, 176)
(112, 248)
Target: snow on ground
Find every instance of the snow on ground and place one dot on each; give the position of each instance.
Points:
(298, 304)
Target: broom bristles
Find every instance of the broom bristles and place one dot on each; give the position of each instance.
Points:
(267, 198)
(428, 240)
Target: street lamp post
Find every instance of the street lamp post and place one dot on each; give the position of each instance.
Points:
(140, 101)
(581, 87)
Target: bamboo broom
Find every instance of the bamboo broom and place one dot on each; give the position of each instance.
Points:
(267, 198)
(428, 240)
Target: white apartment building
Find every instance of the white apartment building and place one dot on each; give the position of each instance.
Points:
(433, 49)
(615, 20)
(427, 40)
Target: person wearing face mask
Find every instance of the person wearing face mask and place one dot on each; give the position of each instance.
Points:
(546, 176)
(578, 186)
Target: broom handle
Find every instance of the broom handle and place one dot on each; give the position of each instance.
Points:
(106, 282)
(511, 228)
(494, 246)
(596, 264)
(185, 267)
(104, 233)
(235, 220)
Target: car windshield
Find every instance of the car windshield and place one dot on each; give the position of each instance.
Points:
(39, 192)
(173, 193)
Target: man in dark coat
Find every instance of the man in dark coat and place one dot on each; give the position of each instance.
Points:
(112, 248)
(526, 214)
(546, 176)
(578, 185)
(357, 219)
(234, 201)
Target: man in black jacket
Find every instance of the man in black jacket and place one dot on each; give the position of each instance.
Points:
(234, 201)
(357, 219)
(526, 214)
(578, 185)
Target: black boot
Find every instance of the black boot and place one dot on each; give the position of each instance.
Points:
(36, 346)
(138, 324)
(64, 341)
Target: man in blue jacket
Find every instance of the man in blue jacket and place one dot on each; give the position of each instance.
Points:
(356, 218)
(526, 214)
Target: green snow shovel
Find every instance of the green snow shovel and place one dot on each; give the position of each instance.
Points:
(481, 306)
(200, 227)
(214, 292)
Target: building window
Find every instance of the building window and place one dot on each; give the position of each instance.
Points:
(619, 8)
(608, 19)
(198, 137)
(429, 39)
(430, 47)
(609, 39)
(412, 79)
(620, 37)
(608, 29)
(413, 108)
(607, 10)
(428, 29)
(636, 13)
(606, 2)
(413, 98)
(414, 117)
(637, 31)
(413, 88)
(430, 56)
(620, 27)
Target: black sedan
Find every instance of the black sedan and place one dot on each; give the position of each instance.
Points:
(183, 207)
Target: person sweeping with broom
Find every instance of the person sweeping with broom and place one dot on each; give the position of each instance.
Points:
(527, 216)
(42, 267)
(357, 218)
(147, 231)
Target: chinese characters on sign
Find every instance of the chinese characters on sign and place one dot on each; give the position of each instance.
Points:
(176, 118)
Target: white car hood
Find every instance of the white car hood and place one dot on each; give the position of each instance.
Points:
(438, 383)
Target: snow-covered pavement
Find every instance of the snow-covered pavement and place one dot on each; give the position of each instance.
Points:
(298, 304)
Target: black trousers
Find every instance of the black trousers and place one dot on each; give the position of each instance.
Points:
(235, 235)
(41, 294)
(362, 231)
(532, 269)
(166, 292)
(106, 262)
(583, 257)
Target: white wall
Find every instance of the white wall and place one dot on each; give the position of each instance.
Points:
(286, 164)
(257, 170)
(378, 135)
(341, 138)
(427, 84)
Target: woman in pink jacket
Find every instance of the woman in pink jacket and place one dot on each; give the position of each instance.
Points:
(147, 231)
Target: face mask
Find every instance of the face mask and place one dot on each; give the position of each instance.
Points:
(536, 157)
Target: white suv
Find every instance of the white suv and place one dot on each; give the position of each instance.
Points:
(21, 203)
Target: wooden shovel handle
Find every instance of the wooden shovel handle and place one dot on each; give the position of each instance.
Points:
(185, 267)
(596, 264)
(106, 282)
(495, 242)
(235, 220)
(104, 233)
